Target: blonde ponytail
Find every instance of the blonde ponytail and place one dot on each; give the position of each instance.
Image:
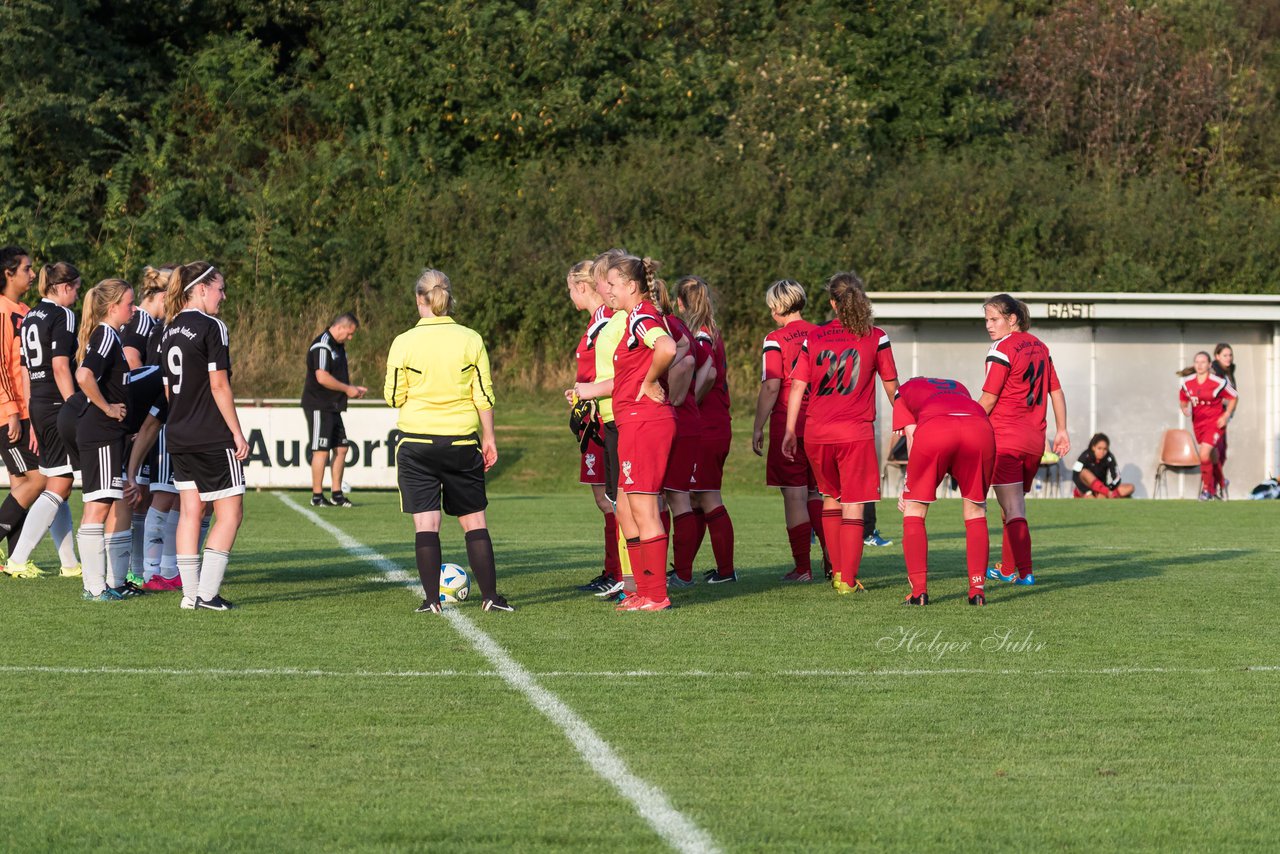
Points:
(435, 288)
(100, 299)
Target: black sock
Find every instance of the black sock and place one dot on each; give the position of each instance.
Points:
(12, 515)
(426, 548)
(480, 557)
(869, 517)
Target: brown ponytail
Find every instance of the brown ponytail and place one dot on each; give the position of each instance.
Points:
(183, 278)
(57, 273)
(97, 302)
(1010, 307)
(852, 306)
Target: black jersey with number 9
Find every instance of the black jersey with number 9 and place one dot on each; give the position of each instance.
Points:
(194, 346)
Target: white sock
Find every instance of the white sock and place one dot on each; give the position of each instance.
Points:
(169, 556)
(39, 518)
(118, 546)
(139, 544)
(60, 531)
(153, 542)
(189, 569)
(204, 529)
(93, 554)
(211, 573)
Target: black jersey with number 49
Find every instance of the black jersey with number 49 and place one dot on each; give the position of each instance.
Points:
(48, 330)
(194, 346)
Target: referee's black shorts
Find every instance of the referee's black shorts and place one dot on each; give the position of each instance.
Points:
(426, 466)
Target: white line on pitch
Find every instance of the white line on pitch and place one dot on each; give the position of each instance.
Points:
(677, 829)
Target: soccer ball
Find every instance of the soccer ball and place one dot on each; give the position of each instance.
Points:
(455, 584)
(346, 486)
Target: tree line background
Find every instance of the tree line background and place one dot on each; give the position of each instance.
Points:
(322, 152)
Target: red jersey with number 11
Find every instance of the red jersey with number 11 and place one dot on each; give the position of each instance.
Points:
(1021, 375)
(840, 369)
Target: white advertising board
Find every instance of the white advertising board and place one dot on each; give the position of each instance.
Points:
(277, 436)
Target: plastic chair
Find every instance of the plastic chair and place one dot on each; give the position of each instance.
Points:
(1050, 477)
(890, 462)
(1177, 452)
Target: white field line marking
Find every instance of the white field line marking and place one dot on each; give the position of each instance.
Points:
(303, 673)
(675, 828)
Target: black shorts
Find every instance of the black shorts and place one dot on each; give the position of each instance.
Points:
(427, 465)
(214, 474)
(325, 431)
(159, 466)
(18, 458)
(609, 437)
(55, 461)
(102, 470)
(68, 426)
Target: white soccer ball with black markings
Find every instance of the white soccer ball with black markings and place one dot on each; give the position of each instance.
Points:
(455, 584)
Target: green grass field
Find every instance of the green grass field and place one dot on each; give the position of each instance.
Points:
(1132, 706)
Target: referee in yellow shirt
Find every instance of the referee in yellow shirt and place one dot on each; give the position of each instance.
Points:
(438, 377)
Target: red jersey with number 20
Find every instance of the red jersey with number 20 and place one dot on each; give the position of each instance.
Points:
(631, 363)
(1021, 375)
(840, 369)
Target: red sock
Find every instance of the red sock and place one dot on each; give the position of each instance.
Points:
(851, 536)
(666, 521)
(631, 582)
(612, 566)
(1206, 477)
(977, 548)
(915, 550)
(686, 528)
(1100, 488)
(1020, 541)
(720, 526)
(652, 580)
(1007, 563)
(799, 537)
(831, 527)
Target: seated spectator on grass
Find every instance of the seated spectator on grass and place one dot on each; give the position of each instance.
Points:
(1095, 472)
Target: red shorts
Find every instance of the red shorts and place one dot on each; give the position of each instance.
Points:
(848, 472)
(684, 455)
(591, 470)
(708, 473)
(779, 471)
(643, 450)
(962, 446)
(1016, 467)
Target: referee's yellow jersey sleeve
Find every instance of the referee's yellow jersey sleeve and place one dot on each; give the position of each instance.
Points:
(438, 377)
(606, 345)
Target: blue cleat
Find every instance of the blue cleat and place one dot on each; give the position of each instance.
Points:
(995, 574)
(874, 539)
(1026, 582)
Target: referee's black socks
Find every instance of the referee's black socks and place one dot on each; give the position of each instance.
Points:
(426, 548)
(480, 556)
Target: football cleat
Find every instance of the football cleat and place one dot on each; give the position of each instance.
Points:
(429, 606)
(217, 603)
(630, 602)
(157, 584)
(320, 501)
(663, 604)
(845, 589)
(24, 570)
(874, 539)
(826, 568)
(340, 500)
(1026, 580)
(995, 574)
(70, 571)
(134, 579)
(922, 599)
(187, 604)
(596, 584)
(978, 599)
(107, 595)
(1206, 495)
(133, 589)
(610, 592)
(797, 575)
(124, 591)
(674, 580)
(497, 603)
(713, 576)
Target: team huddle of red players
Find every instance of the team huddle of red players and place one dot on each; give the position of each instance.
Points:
(664, 436)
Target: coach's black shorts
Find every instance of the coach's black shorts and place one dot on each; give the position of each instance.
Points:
(18, 458)
(609, 436)
(55, 461)
(325, 431)
(102, 470)
(214, 474)
(426, 465)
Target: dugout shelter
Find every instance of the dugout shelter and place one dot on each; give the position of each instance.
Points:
(1116, 355)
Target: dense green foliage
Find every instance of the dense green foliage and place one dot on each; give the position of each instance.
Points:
(324, 152)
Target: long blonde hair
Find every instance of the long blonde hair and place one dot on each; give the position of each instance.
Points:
(100, 299)
(699, 308)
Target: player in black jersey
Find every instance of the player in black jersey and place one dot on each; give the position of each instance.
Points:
(203, 430)
(100, 435)
(324, 399)
(48, 340)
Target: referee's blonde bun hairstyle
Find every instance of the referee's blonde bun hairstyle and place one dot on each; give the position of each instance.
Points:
(785, 296)
(97, 302)
(436, 291)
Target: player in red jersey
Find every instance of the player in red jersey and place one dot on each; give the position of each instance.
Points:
(646, 426)
(948, 433)
(712, 393)
(801, 504)
(841, 360)
(593, 465)
(678, 384)
(1208, 400)
(1020, 381)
